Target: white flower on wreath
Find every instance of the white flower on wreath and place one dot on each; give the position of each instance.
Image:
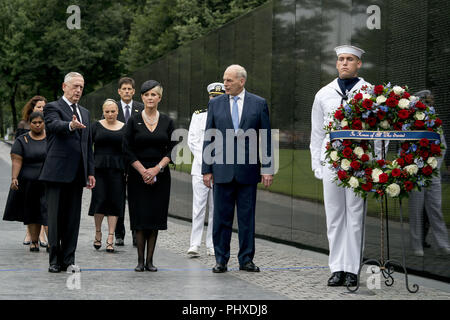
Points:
(398, 90)
(385, 124)
(354, 183)
(345, 164)
(412, 169)
(359, 152)
(334, 156)
(403, 103)
(393, 190)
(366, 96)
(381, 99)
(432, 161)
(376, 174)
(419, 116)
(413, 98)
(344, 123)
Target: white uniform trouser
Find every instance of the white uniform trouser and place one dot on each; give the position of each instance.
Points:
(202, 195)
(429, 199)
(344, 211)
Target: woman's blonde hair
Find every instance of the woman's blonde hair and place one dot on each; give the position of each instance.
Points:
(110, 101)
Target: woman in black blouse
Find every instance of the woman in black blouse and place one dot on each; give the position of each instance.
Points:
(26, 199)
(147, 146)
(108, 196)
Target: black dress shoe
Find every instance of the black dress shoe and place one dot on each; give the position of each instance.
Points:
(337, 279)
(139, 268)
(351, 280)
(151, 268)
(220, 268)
(250, 267)
(54, 268)
(119, 242)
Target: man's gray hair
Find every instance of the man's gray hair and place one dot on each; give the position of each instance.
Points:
(240, 71)
(72, 75)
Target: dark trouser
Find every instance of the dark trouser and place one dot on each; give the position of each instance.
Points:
(226, 197)
(64, 212)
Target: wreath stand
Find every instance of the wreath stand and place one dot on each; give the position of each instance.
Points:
(386, 266)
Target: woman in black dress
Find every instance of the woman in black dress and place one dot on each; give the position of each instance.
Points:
(35, 104)
(147, 146)
(108, 196)
(26, 199)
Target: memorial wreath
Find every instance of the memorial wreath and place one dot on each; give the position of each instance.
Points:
(384, 112)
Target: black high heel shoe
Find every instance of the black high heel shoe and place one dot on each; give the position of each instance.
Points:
(109, 245)
(96, 241)
(36, 246)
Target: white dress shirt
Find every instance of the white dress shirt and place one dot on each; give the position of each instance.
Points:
(70, 106)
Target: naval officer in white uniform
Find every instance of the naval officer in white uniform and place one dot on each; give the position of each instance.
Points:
(343, 208)
(202, 195)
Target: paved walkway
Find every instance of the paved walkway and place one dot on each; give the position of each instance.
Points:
(286, 272)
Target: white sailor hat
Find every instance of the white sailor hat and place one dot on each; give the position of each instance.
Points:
(349, 49)
(216, 88)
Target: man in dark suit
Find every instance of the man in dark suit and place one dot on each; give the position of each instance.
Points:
(127, 107)
(68, 167)
(237, 119)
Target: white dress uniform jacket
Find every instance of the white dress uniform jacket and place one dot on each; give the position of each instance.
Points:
(344, 210)
(202, 195)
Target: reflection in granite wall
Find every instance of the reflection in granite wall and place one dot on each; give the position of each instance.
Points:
(287, 49)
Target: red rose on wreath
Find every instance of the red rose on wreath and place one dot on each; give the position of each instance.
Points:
(355, 165)
(381, 114)
(420, 105)
(381, 162)
(396, 172)
(342, 175)
(401, 162)
(365, 158)
(391, 102)
(367, 186)
(367, 104)
(368, 172)
(339, 115)
(435, 148)
(372, 121)
(405, 146)
(347, 152)
(427, 170)
(378, 89)
(357, 124)
(403, 114)
(406, 95)
(409, 158)
(438, 122)
(347, 143)
(424, 154)
(383, 178)
(408, 185)
(358, 96)
(419, 124)
(398, 126)
(424, 142)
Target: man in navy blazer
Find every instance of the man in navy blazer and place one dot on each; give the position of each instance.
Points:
(68, 167)
(231, 165)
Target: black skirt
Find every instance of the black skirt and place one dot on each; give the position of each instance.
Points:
(27, 204)
(148, 204)
(108, 196)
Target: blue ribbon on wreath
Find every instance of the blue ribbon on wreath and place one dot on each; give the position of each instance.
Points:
(383, 135)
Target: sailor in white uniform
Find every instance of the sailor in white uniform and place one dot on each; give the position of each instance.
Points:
(344, 209)
(202, 195)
